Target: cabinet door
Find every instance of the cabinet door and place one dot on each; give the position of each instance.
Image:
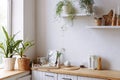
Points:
(10, 78)
(28, 77)
(50, 76)
(66, 77)
(87, 78)
(38, 75)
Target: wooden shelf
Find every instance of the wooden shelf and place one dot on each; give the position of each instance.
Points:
(103, 27)
(67, 15)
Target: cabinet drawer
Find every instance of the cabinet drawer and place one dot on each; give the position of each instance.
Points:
(50, 76)
(28, 77)
(87, 78)
(66, 77)
(38, 75)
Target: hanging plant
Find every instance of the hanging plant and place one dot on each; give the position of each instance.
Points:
(67, 7)
(87, 4)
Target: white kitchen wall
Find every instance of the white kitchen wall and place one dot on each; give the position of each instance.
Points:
(23, 21)
(29, 25)
(78, 40)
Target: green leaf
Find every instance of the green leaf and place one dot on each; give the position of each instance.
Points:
(6, 34)
(58, 54)
(24, 46)
(2, 47)
(10, 45)
(17, 43)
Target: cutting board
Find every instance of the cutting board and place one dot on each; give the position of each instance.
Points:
(71, 68)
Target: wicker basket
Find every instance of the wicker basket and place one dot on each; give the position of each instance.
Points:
(23, 64)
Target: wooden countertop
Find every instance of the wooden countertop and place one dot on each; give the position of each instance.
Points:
(103, 74)
(6, 74)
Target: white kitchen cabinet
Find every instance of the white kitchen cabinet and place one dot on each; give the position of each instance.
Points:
(50, 76)
(38, 75)
(66, 77)
(87, 78)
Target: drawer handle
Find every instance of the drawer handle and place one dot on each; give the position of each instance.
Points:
(67, 78)
(49, 76)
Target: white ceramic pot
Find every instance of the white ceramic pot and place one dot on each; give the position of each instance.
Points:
(65, 10)
(9, 63)
(67, 63)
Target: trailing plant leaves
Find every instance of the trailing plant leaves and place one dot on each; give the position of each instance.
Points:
(84, 3)
(70, 9)
(59, 8)
(87, 5)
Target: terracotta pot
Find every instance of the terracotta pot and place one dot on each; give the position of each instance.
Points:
(9, 63)
(118, 22)
(23, 64)
(98, 21)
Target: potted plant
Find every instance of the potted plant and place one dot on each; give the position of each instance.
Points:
(67, 7)
(87, 5)
(23, 61)
(8, 49)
